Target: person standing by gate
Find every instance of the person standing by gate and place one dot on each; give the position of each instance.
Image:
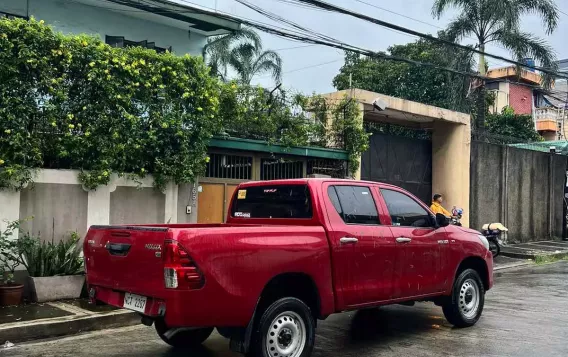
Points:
(437, 207)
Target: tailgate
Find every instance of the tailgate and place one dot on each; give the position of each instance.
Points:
(126, 258)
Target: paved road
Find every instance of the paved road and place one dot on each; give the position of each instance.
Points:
(526, 315)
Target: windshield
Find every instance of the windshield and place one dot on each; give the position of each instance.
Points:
(274, 201)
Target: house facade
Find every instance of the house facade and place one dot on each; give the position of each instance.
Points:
(549, 108)
(158, 24)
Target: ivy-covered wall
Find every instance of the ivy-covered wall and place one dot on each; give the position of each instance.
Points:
(74, 102)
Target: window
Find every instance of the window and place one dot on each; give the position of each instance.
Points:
(404, 211)
(355, 204)
(229, 166)
(275, 169)
(120, 42)
(274, 201)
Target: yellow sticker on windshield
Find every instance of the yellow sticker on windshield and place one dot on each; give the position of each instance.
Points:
(242, 194)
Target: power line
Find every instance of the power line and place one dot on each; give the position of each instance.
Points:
(416, 20)
(298, 36)
(293, 48)
(330, 7)
(307, 67)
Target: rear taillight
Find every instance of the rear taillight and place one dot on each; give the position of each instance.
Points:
(180, 271)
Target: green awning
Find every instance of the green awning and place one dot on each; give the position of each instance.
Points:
(561, 146)
(262, 146)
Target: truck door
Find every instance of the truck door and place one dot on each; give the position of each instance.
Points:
(363, 250)
(421, 248)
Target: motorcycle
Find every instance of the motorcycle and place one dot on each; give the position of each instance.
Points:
(493, 231)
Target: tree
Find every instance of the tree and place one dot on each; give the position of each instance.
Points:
(241, 51)
(512, 125)
(418, 83)
(492, 21)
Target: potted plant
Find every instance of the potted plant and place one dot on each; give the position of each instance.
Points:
(10, 291)
(55, 269)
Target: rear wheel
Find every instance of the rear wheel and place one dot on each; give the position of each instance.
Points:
(286, 329)
(182, 337)
(465, 306)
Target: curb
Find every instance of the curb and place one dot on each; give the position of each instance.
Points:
(512, 265)
(48, 328)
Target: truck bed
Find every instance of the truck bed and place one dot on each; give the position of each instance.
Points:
(235, 261)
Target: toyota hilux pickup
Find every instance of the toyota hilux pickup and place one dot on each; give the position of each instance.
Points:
(292, 252)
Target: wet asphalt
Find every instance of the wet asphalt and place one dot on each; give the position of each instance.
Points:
(526, 314)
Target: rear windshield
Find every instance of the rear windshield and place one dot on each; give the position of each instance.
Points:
(278, 201)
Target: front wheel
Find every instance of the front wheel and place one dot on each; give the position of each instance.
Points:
(286, 329)
(464, 307)
(495, 248)
(182, 338)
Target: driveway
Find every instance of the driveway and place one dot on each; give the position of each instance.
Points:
(526, 314)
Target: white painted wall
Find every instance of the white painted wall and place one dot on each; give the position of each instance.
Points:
(98, 201)
(74, 18)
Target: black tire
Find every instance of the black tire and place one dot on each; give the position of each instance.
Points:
(184, 338)
(261, 343)
(456, 308)
(495, 248)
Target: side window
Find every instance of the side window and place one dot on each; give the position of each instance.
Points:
(405, 211)
(355, 204)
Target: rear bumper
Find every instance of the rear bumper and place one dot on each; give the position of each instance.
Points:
(155, 308)
(179, 308)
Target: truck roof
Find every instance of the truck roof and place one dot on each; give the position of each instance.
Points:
(303, 181)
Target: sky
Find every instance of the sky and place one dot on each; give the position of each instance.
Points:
(311, 69)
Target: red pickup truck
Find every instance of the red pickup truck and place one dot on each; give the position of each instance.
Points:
(291, 252)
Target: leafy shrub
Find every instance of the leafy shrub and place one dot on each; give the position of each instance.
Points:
(50, 259)
(74, 102)
(8, 253)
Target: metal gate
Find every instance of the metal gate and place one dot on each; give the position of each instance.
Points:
(400, 161)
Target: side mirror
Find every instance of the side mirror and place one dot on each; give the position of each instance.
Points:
(441, 220)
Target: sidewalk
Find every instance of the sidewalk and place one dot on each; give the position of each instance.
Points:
(502, 262)
(537, 251)
(40, 321)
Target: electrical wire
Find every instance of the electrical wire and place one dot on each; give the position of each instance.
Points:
(296, 35)
(304, 68)
(421, 22)
(331, 7)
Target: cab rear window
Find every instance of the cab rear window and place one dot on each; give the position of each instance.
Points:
(277, 201)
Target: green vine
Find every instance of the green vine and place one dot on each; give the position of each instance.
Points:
(73, 102)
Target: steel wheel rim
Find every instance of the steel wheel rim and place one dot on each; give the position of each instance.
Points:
(469, 298)
(286, 336)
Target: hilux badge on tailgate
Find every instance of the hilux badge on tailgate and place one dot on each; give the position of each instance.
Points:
(153, 246)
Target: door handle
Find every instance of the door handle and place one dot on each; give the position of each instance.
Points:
(348, 240)
(403, 240)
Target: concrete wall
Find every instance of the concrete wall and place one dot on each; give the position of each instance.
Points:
(57, 210)
(71, 17)
(523, 189)
(132, 205)
(59, 204)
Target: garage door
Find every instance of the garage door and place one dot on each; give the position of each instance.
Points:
(400, 161)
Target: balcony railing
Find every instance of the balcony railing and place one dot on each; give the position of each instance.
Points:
(549, 114)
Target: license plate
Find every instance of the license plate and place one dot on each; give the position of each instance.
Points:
(135, 302)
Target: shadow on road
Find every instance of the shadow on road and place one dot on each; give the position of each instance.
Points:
(390, 324)
(201, 351)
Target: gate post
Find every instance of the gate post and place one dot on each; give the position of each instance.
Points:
(451, 147)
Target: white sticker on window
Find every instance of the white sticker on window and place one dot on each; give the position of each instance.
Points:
(242, 214)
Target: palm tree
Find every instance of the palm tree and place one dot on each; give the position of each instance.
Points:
(498, 21)
(242, 52)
